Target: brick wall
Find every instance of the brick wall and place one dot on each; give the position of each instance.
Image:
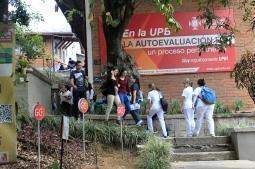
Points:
(171, 85)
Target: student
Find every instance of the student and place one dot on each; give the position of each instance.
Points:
(90, 97)
(202, 110)
(155, 108)
(111, 91)
(187, 107)
(135, 100)
(66, 99)
(124, 90)
(77, 79)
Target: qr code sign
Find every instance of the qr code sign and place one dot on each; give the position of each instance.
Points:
(5, 113)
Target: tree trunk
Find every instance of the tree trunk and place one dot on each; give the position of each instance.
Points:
(4, 11)
(113, 43)
(123, 11)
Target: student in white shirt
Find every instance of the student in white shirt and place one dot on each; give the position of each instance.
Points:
(155, 108)
(202, 110)
(66, 99)
(187, 107)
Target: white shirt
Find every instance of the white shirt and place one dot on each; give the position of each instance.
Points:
(89, 96)
(154, 98)
(66, 97)
(187, 94)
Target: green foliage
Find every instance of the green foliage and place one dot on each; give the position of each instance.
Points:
(175, 107)
(71, 13)
(244, 73)
(110, 21)
(22, 114)
(20, 15)
(100, 132)
(156, 154)
(224, 128)
(31, 45)
(54, 165)
(238, 105)
(167, 9)
(220, 108)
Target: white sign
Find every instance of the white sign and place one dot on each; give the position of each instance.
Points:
(65, 129)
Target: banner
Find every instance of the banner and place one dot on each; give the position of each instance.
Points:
(8, 138)
(157, 50)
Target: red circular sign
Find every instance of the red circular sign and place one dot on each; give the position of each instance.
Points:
(121, 110)
(83, 105)
(39, 112)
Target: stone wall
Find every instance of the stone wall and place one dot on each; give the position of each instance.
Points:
(177, 123)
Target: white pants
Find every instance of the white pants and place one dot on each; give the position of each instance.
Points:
(189, 121)
(160, 114)
(207, 112)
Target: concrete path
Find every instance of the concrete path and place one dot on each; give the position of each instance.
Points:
(230, 164)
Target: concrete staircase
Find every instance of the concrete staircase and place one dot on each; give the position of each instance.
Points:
(202, 148)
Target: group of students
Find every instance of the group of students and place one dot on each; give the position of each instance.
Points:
(79, 88)
(119, 88)
(194, 104)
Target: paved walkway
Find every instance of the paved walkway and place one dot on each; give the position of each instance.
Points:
(231, 164)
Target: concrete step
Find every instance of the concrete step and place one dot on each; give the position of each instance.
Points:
(183, 141)
(203, 148)
(205, 156)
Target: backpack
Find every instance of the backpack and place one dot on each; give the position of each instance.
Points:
(163, 103)
(208, 95)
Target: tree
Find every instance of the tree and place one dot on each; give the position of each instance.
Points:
(244, 73)
(30, 44)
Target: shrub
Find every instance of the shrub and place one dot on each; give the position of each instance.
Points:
(22, 115)
(175, 107)
(224, 129)
(220, 108)
(100, 132)
(238, 105)
(156, 154)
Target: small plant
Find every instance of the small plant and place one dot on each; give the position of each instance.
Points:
(220, 108)
(224, 129)
(156, 154)
(22, 114)
(175, 107)
(55, 165)
(238, 105)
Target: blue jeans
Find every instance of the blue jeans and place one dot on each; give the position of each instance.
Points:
(124, 100)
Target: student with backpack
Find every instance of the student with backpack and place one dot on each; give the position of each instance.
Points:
(155, 107)
(204, 99)
(135, 100)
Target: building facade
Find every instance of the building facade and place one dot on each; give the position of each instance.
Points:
(172, 84)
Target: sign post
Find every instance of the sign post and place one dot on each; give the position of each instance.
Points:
(39, 113)
(120, 112)
(83, 107)
(64, 136)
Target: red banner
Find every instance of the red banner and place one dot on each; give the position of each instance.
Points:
(157, 50)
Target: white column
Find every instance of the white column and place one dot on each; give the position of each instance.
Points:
(89, 44)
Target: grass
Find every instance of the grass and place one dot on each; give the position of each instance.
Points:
(156, 154)
(220, 108)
